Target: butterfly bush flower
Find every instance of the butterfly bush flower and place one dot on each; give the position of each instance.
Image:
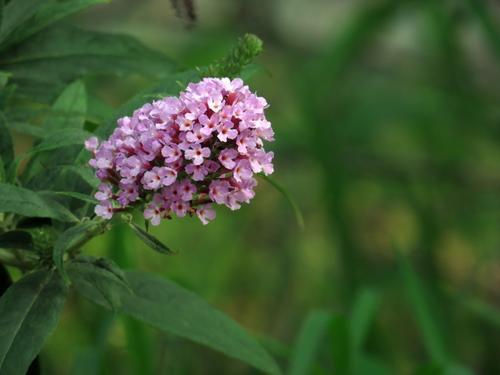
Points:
(182, 155)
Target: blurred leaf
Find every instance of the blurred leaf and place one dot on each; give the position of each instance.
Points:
(433, 341)
(96, 282)
(29, 203)
(67, 53)
(295, 207)
(309, 342)
(340, 339)
(363, 313)
(25, 128)
(48, 13)
(368, 365)
(6, 148)
(29, 312)
(487, 23)
(169, 307)
(150, 240)
(3, 172)
(69, 109)
(16, 239)
(73, 238)
(84, 172)
(481, 309)
(15, 13)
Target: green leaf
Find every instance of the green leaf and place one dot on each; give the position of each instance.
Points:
(49, 13)
(73, 238)
(16, 239)
(150, 240)
(309, 342)
(168, 307)
(98, 279)
(362, 316)
(71, 194)
(63, 54)
(295, 207)
(6, 148)
(340, 338)
(29, 203)
(69, 109)
(59, 139)
(3, 172)
(431, 336)
(15, 13)
(29, 312)
(25, 128)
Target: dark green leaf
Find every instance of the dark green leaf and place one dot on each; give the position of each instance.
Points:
(3, 172)
(98, 281)
(59, 139)
(15, 13)
(16, 239)
(69, 109)
(29, 312)
(167, 306)
(73, 238)
(309, 342)
(295, 207)
(67, 53)
(47, 14)
(150, 240)
(362, 316)
(6, 149)
(340, 336)
(431, 336)
(29, 203)
(25, 128)
(79, 196)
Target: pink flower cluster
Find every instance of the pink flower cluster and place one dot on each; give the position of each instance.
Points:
(181, 154)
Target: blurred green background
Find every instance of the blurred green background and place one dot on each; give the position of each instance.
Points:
(387, 135)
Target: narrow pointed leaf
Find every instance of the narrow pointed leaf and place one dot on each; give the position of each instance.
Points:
(6, 149)
(49, 13)
(309, 342)
(295, 207)
(63, 54)
(98, 280)
(29, 203)
(150, 240)
(69, 109)
(15, 13)
(29, 312)
(168, 307)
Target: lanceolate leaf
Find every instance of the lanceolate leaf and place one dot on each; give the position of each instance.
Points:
(150, 240)
(167, 306)
(15, 13)
(69, 109)
(29, 203)
(47, 14)
(71, 194)
(309, 342)
(29, 312)
(98, 279)
(59, 139)
(68, 53)
(289, 198)
(6, 150)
